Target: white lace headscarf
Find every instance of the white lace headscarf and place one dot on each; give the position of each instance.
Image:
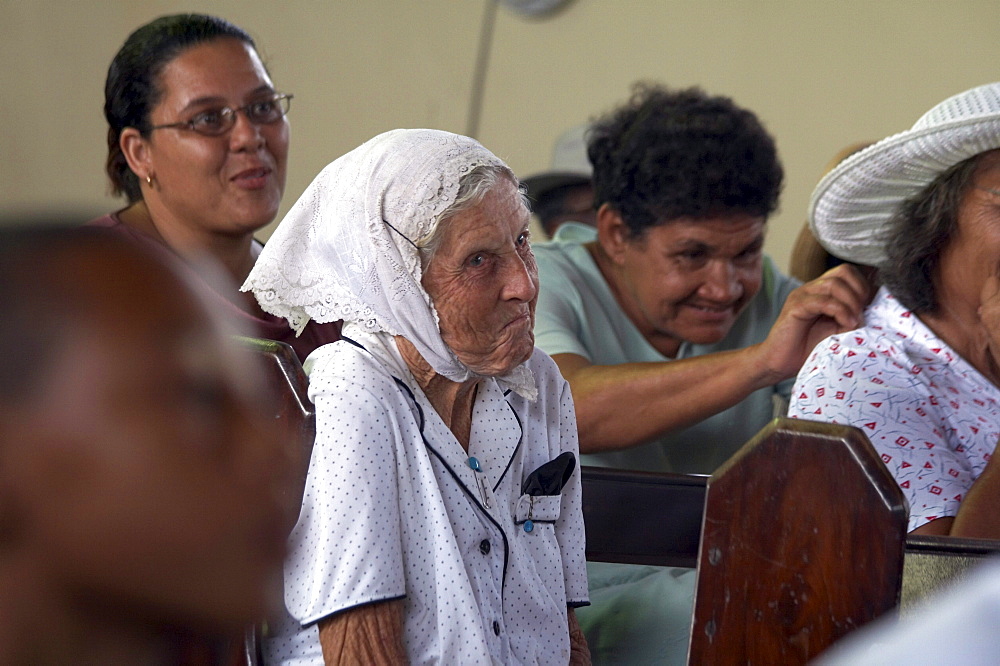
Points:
(335, 257)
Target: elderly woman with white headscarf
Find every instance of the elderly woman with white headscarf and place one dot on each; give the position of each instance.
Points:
(921, 378)
(442, 520)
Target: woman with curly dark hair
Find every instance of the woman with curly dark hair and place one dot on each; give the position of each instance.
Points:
(676, 333)
(671, 325)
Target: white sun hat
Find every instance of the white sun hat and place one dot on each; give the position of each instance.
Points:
(851, 205)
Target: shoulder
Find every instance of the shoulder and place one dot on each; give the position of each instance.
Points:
(543, 367)
(567, 276)
(341, 367)
(887, 331)
(320, 334)
(875, 350)
(560, 257)
(109, 221)
(114, 223)
(866, 343)
(552, 387)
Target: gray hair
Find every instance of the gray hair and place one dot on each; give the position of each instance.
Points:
(920, 229)
(472, 189)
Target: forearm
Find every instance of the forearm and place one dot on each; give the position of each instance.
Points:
(369, 634)
(978, 516)
(623, 405)
(579, 653)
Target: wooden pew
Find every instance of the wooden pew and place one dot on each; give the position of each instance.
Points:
(287, 383)
(802, 542)
(642, 518)
(791, 555)
(288, 386)
(934, 562)
(774, 482)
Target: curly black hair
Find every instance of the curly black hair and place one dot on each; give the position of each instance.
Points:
(669, 154)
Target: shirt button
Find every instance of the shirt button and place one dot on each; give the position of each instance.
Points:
(484, 547)
(496, 627)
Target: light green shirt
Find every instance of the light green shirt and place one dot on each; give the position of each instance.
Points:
(578, 314)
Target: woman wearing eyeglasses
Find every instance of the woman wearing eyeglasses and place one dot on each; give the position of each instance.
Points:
(198, 143)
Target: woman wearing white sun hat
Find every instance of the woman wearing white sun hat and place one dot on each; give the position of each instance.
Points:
(921, 377)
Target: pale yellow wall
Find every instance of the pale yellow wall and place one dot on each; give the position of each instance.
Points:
(820, 74)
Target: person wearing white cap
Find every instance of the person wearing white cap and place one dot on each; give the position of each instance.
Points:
(676, 333)
(564, 195)
(920, 377)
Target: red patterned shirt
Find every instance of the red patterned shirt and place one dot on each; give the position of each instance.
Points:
(933, 418)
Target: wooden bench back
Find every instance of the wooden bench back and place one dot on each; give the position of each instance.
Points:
(642, 518)
(935, 562)
(288, 386)
(802, 542)
(656, 519)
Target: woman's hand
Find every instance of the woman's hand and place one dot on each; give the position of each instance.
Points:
(832, 303)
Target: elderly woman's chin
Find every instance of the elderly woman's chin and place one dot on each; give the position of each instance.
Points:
(512, 348)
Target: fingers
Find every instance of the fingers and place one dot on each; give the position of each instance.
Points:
(832, 303)
(840, 294)
(989, 318)
(859, 282)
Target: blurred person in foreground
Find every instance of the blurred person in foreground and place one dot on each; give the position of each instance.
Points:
(442, 518)
(139, 489)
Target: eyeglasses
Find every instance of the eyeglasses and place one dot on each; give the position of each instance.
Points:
(216, 122)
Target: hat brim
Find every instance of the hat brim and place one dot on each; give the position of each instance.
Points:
(541, 184)
(850, 207)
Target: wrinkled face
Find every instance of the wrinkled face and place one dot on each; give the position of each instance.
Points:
(484, 283)
(147, 477)
(690, 279)
(973, 253)
(228, 184)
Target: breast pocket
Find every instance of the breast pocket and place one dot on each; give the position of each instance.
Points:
(541, 490)
(537, 509)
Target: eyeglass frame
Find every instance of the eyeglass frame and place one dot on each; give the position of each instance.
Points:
(280, 99)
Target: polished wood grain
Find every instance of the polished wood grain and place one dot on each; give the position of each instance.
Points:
(802, 542)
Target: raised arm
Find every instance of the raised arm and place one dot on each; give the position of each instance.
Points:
(623, 405)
